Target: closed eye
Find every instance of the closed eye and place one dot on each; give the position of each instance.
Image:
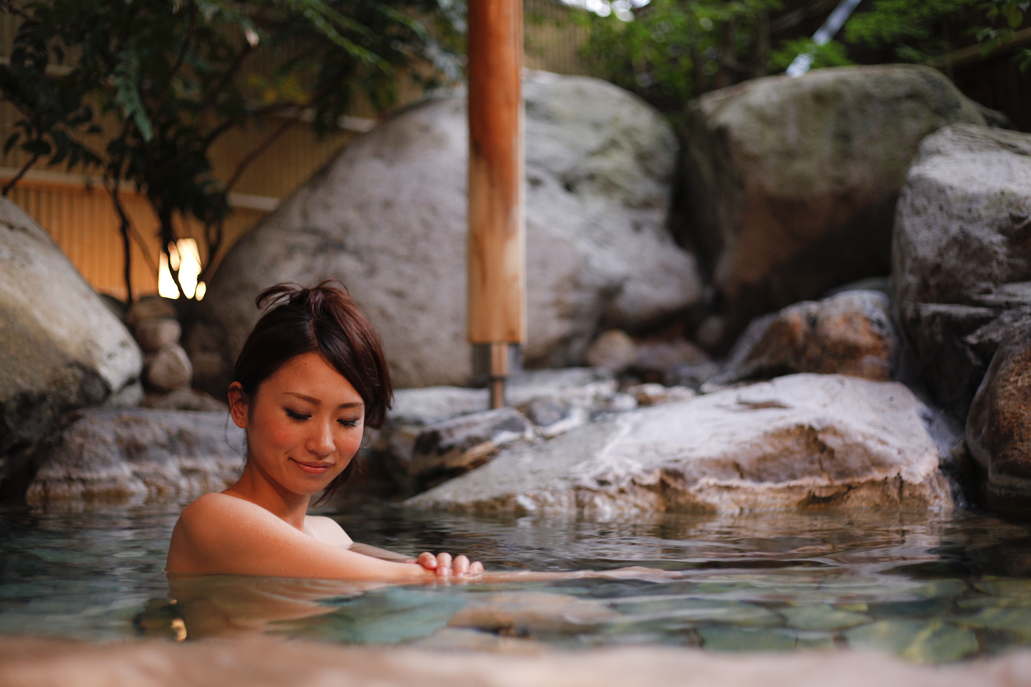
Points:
(349, 423)
(293, 415)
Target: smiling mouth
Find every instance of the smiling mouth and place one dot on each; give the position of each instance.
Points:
(313, 468)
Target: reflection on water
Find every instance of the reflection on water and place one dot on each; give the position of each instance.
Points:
(924, 587)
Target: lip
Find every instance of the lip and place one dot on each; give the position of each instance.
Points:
(313, 468)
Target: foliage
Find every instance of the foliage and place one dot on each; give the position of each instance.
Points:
(830, 54)
(669, 51)
(177, 76)
(674, 50)
(918, 31)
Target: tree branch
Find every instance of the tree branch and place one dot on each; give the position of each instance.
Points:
(17, 177)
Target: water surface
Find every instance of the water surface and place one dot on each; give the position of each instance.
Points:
(925, 587)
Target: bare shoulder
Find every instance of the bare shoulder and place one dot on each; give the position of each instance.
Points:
(211, 528)
(326, 530)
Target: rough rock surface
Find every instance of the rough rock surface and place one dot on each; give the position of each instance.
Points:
(850, 333)
(135, 456)
(169, 369)
(60, 346)
(554, 400)
(458, 445)
(149, 308)
(801, 441)
(613, 350)
(388, 217)
(998, 431)
(155, 333)
(267, 662)
(186, 398)
(793, 182)
(962, 254)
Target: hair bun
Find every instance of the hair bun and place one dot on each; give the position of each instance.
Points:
(295, 294)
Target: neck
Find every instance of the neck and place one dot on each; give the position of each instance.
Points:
(257, 488)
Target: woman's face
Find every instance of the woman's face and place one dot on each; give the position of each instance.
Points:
(303, 425)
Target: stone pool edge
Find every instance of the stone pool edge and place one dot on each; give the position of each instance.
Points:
(262, 662)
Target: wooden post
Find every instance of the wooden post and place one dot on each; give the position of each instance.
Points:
(497, 226)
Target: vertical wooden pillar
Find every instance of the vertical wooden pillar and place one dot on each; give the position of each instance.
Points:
(497, 227)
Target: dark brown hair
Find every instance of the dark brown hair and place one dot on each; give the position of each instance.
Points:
(325, 320)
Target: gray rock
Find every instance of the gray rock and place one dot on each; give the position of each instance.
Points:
(149, 308)
(961, 258)
(582, 387)
(998, 430)
(60, 346)
(133, 456)
(657, 360)
(154, 334)
(169, 369)
(613, 350)
(186, 398)
(850, 333)
(574, 393)
(553, 417)
(799, 442)
(435, 404)
(388, 217)
(651, 394)
(693, 376)
(793, 182)
(456, 446)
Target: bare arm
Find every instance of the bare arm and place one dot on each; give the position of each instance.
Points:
(329, 531)
(219, 534)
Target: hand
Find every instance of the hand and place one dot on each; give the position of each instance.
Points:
(444, 567)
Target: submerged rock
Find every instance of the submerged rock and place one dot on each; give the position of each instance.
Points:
(998, 430)
(793, 182)
(798, 442)
(135, 456)
(269, 662)
(61, 347)
(388, 217)
(850, 333)
(961, 254)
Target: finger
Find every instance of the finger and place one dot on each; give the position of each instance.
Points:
(475, 568)
(427, 560)
(461, 566)
(443, 563)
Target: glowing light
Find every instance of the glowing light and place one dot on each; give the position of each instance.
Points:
(184, 256)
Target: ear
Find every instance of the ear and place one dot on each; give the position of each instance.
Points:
(239, 404)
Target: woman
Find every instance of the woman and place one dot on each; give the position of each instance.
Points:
(310, 378)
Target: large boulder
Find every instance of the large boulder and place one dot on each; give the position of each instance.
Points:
(799, 442)
(60, 346)
(998, 431)
(135, 455)
(793, 182)
(388, 217)
(962, 254)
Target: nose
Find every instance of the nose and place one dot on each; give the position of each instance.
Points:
(320, 442)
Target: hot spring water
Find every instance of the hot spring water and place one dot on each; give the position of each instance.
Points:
(925, 587)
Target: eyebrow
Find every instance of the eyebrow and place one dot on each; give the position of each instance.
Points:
(315, 401)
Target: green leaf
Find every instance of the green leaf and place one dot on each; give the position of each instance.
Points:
(128, 96)
(1014, 15)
